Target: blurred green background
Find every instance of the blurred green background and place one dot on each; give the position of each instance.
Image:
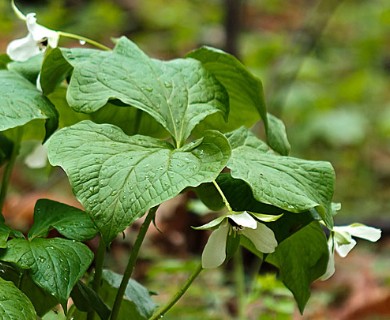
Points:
(325, 67)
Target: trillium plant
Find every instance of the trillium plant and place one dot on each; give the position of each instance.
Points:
(132, 132)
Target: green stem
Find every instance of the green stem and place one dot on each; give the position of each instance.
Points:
(97, 279)
(159, 313)
(87, 40)
(9, 167)
(131, 263)
(227, 204)
(240, 284)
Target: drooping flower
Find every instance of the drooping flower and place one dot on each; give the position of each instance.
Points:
(341, 241)
(36, 41)
(235, 225)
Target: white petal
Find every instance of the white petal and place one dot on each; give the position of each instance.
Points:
(345, 248)
(37, 158)
(40, 33)
(361, 231)
(330, 269)
(262, 237)
(244, 219)
(23, 49)
(214, 252)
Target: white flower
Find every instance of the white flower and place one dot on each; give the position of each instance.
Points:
(231, 225)
(35, 42)
(340, 240)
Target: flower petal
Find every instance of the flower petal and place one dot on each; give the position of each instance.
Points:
(262, 237)
(40, 33)
(344, 248)
(214, 252)
(243, 219)
(23, 49)
(211, 225)
(361, 231)
(330, 269)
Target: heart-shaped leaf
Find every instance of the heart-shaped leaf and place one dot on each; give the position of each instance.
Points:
(71, 222)
(13, 303)
(301, 259)
(21, 103)
(54, 264)
(118, 178)
(178, 93)
(289, 183)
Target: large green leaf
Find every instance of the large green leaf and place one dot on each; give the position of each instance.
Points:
(301, 259)
(14, 304)
(245, 91)
(289, 183)
(29, 69)
(178, 93)
(21, 103)
(71, 222)
(59, 62)
(137, 303)
(118, 178)
(54, 264)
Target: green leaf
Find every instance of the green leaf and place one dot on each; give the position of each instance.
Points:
(118, 178)
(240, 196)
(59, 62)
(6, 232)
(86, 299)
(137, 303)
(41, 300)
(14, 304)
(29, 69)
(21, 103)
(130, 120)
(277, 136)
(54, 264)
(301, 259)
(246, 97)
(69, 221)
(289, 183)
(244, 137)
(178, 93)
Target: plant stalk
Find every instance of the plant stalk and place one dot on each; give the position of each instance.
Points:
(131, 263)
(87, 40)
(159, 313)
(97, 279)
(9, 167)
(227, 204)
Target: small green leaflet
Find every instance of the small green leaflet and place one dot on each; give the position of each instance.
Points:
(69, 221)
(14, 304)
(55, 264)
(178, 93)
(21, 103)
(118, 178)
